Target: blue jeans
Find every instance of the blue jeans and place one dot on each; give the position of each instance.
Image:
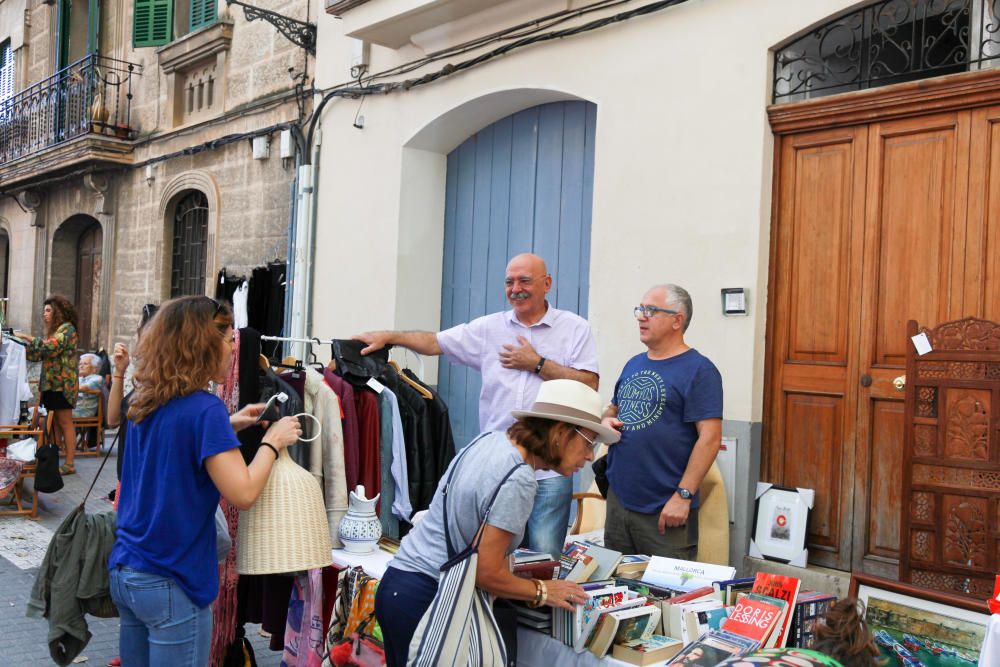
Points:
(160, 626)
(549, 520)
(401, 600)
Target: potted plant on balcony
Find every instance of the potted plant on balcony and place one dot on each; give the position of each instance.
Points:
(122, 131)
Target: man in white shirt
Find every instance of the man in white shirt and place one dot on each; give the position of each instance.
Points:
(515, 351)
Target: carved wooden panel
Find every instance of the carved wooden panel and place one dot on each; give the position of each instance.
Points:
(951, 468)
(968, 424)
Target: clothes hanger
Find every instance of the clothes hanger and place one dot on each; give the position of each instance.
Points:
(263, 362)
(314, 361)
(420, 388)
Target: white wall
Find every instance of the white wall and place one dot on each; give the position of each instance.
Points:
(682, 181)
(12, 22)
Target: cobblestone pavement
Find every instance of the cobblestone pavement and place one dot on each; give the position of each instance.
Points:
(22, 547)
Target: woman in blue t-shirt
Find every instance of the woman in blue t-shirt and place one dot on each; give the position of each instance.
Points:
(182, 453)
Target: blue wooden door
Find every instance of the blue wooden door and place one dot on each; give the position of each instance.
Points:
(523, 184)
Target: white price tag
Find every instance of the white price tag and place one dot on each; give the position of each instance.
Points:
(376, 385)
(922, 343)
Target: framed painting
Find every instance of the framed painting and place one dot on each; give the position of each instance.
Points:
(781, 520)
(914, 626)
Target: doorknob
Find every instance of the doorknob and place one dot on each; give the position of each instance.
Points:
(900, 383)
(866, 380)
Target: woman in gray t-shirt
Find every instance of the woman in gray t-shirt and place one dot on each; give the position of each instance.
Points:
(559, 433)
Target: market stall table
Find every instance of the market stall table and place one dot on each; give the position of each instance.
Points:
(534, 649)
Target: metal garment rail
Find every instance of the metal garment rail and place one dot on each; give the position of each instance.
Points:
(300, 349)
(285, 339)
(317, 341)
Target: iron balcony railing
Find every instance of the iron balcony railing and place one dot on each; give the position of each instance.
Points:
(91, 96)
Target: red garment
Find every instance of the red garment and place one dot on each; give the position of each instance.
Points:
(345, 392)
(331, 576)
(370, 468)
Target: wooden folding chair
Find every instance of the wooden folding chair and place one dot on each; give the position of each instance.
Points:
(16, 501)
(81, 425)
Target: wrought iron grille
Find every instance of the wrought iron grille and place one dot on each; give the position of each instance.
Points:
(190, 247)
(92, 95)
(887, 42)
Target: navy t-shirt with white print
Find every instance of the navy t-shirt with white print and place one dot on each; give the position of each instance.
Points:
(660, 402)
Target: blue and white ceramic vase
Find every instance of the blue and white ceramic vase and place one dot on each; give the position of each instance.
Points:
(360, 528)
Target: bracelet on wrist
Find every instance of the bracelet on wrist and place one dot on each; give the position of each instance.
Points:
(538, 594)
(271, 447)
(117, 377)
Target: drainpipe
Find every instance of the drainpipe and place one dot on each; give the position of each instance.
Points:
(302, 258)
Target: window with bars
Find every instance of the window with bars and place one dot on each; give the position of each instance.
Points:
(190, 245)
(6, 71)
(158, 22)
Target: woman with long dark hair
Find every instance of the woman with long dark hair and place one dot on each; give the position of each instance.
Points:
(181, 453)
(58, 383)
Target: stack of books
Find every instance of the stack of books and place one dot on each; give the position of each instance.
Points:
(647, 651)
(534, 565)
(810, 607)
(586, 561)
(760, 618)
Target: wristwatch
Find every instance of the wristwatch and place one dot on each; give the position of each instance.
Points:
(684, 493)
(538, 368)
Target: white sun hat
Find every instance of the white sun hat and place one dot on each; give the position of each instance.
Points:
(571, 402)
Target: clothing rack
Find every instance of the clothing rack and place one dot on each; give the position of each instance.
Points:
(300, 352)
(317, 341)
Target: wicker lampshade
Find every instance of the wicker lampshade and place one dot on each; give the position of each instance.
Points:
(286, 530)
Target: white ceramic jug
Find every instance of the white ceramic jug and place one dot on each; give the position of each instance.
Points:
(360, 528)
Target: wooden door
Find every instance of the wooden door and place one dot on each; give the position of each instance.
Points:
(870, 233)
(982, 273)
(914, 259)
(816, 277)
(88, 283)
(522, 184)
(951, 481)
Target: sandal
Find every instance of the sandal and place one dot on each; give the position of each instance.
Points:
(67, 469)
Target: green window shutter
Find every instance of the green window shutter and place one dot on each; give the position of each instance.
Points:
(152, 22)
(203, 13)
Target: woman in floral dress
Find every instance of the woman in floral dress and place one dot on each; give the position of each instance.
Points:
(58, 384)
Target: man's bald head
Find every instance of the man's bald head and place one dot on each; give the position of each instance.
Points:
(530, 262)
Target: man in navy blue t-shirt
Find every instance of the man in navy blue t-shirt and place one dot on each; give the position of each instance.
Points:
(668, 405)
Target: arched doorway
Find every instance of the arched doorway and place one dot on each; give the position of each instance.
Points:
(522, 184)
(76, 271)
(4, 263)
(189, 248)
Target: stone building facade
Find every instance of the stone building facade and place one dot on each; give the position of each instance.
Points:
(128, 172)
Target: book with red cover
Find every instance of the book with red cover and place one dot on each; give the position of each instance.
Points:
(783, 588)
(753, 618)
(546, 569)
(693, 595)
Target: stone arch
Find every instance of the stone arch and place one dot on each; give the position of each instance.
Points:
(78, 272)
(422, 195)
(204, 182)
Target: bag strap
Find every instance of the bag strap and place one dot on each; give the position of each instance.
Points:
(106, 455)
(452, 552)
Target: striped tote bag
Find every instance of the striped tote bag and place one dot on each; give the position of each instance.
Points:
(458, 629)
